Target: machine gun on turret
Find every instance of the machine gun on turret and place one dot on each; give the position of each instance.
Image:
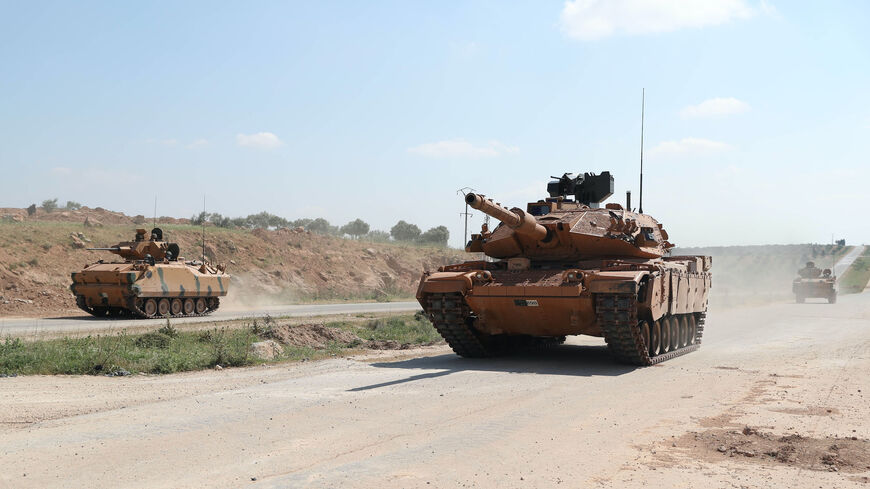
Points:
(139, 249)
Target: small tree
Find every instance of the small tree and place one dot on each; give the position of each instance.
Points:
(377, 235)
(31, 210)
(404, 231)
(72, 205)
(437, 236)
(319, 225)
(49, 205)
(355, 228)
(301, 223)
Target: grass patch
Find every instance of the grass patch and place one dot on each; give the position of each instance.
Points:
(168, 350)
(857, 276)
(154, 352)
(414, 330)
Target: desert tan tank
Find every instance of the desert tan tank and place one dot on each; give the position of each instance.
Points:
(568, 267)
(813, 282)
(153, 280)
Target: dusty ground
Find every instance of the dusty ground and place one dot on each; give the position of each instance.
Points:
(776, 397)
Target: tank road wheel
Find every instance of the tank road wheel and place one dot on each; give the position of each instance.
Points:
(655, 338)
(200, 305)
(665, 342)
(675, 332)
(684, 330)
(175, 307)
(645, 333)
(163, 307)
(693, 328)
(189, 307)
(149, 308)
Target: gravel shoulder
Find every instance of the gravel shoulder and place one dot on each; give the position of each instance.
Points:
(426, 418)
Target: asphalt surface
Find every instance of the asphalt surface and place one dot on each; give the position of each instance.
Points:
(24, 326)
(847, 260)
(567, 417)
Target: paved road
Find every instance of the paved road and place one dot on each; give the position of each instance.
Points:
(565, 418)
(16, 327)
(847, 260)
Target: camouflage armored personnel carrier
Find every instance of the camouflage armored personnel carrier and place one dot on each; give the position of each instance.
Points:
(153, 280)
(569, 267)
(813, 282)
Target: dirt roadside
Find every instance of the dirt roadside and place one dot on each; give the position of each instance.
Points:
(793, 375)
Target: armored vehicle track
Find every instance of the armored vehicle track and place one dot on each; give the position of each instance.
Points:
(637, 341)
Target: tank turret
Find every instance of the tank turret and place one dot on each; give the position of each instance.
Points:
(559, 228)
(140, 249)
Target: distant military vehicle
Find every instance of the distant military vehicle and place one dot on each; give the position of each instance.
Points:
(153, 280)
(813, 282)
(568, 267)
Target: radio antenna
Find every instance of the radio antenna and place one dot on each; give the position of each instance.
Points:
(642, 106)
(154, 222)
(202, 223)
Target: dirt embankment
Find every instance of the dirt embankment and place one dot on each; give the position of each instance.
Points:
(38, 253)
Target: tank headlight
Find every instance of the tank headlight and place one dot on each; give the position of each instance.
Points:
(572, 276)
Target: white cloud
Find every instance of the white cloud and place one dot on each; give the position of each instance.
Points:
(715, 107)
(459, 148)
(689, 146)
(197, 143)
(596, 19)
(260, 140)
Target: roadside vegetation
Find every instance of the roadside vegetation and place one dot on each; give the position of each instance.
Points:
(168, 350)
(856, 278)
(402, 232)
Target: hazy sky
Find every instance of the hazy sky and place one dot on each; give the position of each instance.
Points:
(757, 114)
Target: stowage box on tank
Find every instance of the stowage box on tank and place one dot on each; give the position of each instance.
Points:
(151, 281)
(567, 267)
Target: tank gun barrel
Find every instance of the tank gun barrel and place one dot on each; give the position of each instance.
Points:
(515, 218)
(112, 248)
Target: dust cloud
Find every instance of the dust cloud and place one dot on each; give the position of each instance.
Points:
(757, 275)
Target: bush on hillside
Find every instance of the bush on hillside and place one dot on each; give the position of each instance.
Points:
(404, 231)
(320, 226)
(437, 236)
(355, 228)
(377, 235)
(49, 205)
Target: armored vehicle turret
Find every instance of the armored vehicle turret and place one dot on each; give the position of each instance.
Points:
(153, 280)
(567, 266)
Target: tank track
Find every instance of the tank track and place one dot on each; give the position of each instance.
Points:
(449, 314)
(617, 315)
(133, 311)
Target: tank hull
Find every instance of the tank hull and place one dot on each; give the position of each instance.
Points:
(142, 290)
(623, 300)
(821, 288)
